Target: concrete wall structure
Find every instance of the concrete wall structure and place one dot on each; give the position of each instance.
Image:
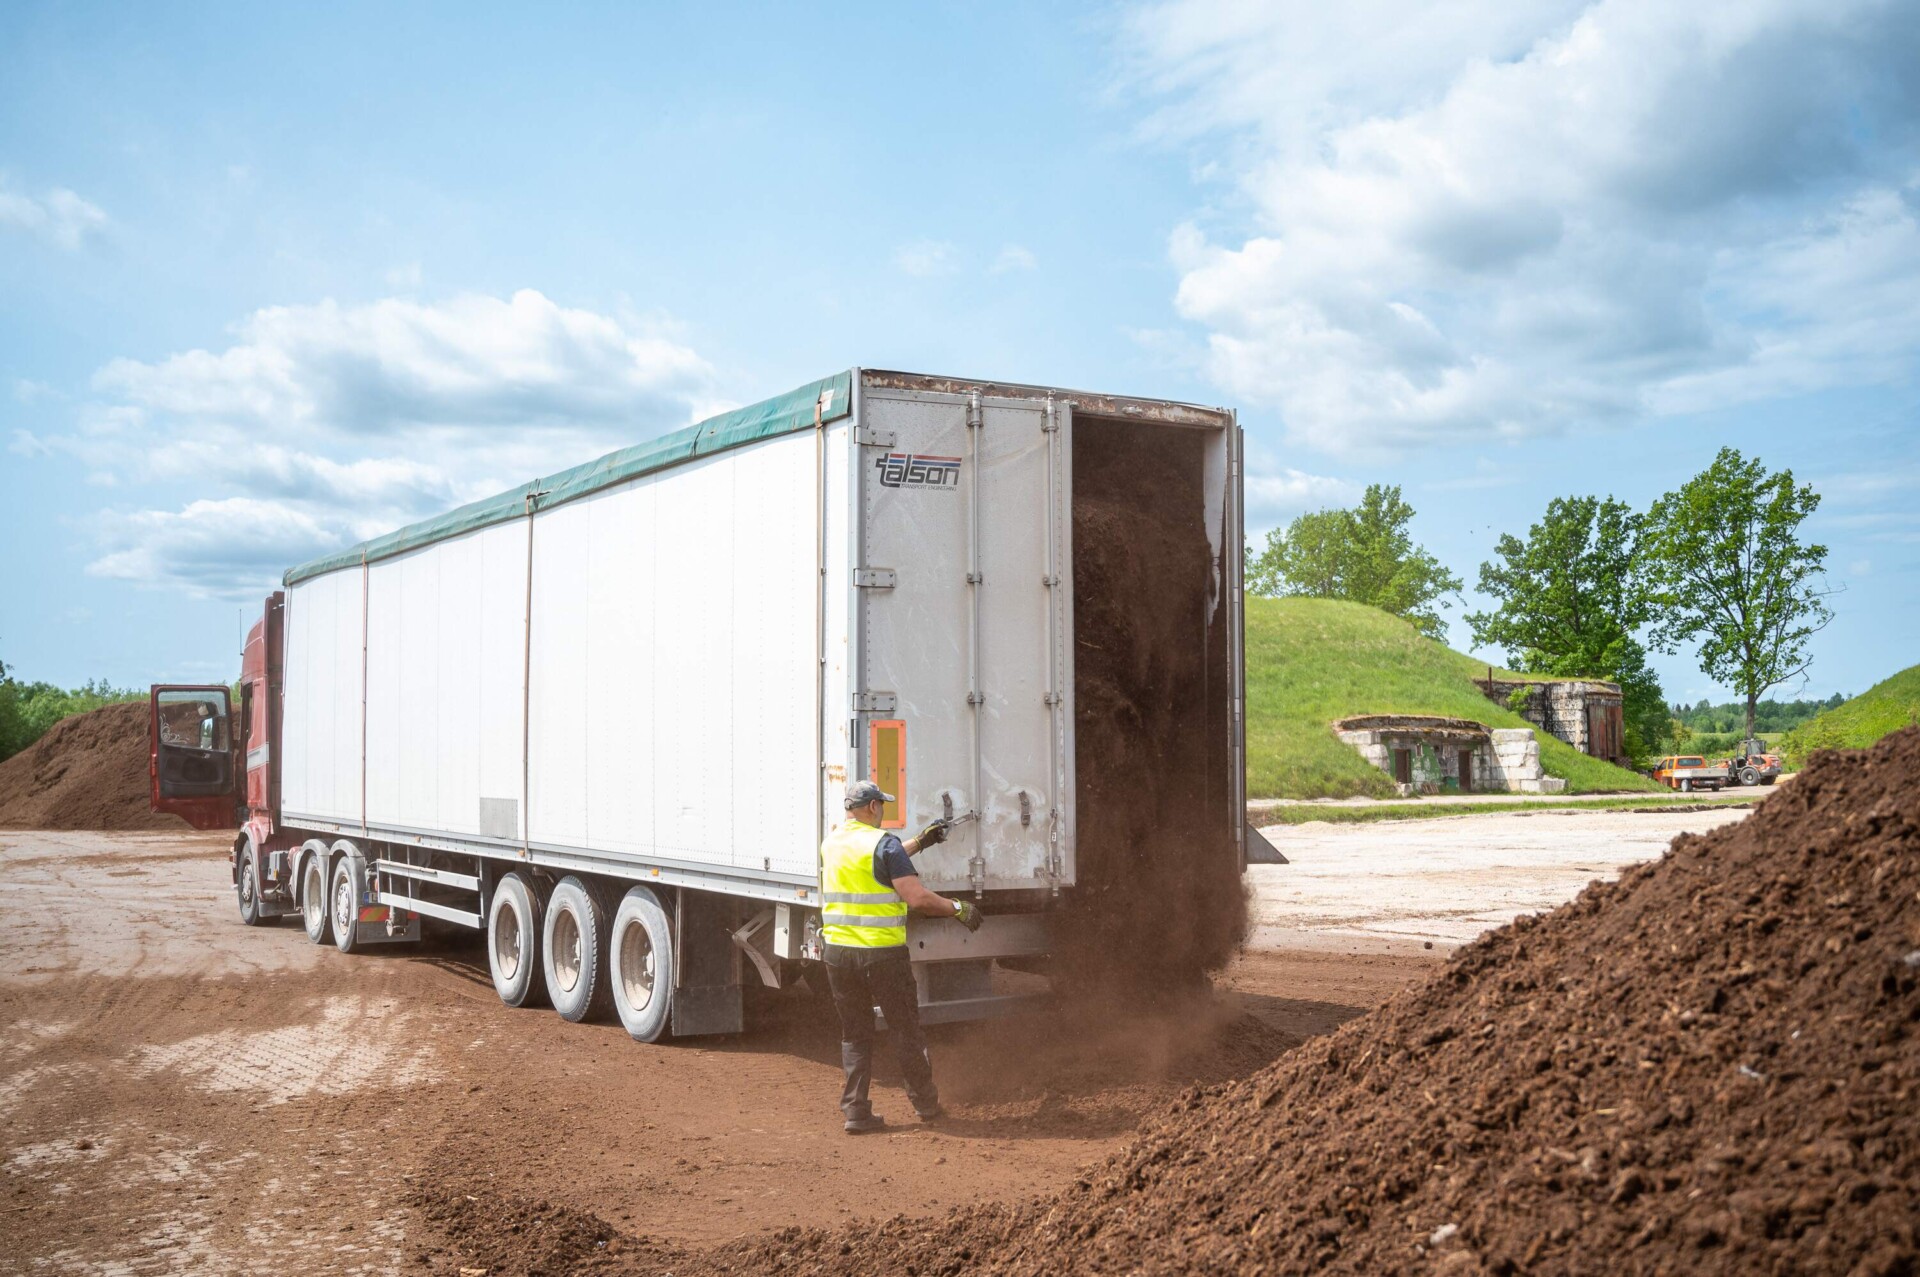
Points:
(1585, 713)
(1429, 755)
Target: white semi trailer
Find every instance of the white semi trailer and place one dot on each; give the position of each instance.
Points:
(608, 716)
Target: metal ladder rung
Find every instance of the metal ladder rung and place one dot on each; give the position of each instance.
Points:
(445, 913)
(445, 877)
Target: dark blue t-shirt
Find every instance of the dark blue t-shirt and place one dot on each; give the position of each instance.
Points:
(890, 860)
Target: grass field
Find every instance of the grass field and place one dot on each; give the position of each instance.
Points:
(1311, 661)
(1884, 707)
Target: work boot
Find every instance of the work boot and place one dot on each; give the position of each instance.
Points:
(932, 1113)
(865, 1125)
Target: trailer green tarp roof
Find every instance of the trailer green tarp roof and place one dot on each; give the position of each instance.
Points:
(830, 397)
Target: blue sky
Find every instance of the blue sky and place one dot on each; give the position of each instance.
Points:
(274, 279)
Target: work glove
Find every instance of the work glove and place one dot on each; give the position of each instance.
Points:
(932, 836)
(968, 914)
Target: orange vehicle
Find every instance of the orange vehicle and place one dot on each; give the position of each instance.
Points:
(1754, 764)
(1688, 772)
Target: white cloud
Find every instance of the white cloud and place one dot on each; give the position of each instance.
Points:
(1286, 492)
(1504, 220)
(27, 444)
(927, 257)
(1013, 257)
(321, 425)
(213, 547)
(60, 217)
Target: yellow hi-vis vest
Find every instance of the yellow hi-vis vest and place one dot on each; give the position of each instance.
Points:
(861, 911)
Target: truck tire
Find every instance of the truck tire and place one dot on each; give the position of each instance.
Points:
(641, 961)
(343, 902)
(1749, 776)
(573, 952)
(1686, 785)
(246, 889)
(513, 942)
(313, 900)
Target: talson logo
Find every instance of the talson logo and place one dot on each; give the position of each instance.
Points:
(916, 470)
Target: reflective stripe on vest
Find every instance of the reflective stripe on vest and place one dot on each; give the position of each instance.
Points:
(862, 911)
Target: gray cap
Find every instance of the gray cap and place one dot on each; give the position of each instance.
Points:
(862, 792)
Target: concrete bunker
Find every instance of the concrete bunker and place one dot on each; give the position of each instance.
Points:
(1586, 713)
(1427, 754)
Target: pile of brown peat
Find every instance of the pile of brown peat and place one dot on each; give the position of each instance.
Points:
(1711, 1065)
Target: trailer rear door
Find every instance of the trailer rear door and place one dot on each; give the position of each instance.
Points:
(964, 628)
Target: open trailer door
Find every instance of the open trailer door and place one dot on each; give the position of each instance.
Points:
(192, 761)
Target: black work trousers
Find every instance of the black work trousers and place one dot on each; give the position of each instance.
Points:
(862, 979)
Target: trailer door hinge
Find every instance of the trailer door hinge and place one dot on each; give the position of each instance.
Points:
(874, 578)
(870, 437)
(874, 702)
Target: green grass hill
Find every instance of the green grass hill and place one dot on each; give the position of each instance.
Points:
(1884, 707)
(1311, 661)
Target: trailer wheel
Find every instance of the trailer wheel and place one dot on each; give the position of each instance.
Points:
(513, 942)
(1749, 776)
(344, 900)
(642, 965)
(574, 952)
(247, 889)
(313, 900)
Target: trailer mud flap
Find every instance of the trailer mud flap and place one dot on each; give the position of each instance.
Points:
(374, 926)
(707, 997)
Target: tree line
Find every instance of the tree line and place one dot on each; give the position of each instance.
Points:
(1595, 587)
(1769, 716)
(27, 710)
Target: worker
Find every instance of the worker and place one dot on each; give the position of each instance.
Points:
(868, 884)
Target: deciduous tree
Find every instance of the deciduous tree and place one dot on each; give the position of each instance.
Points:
(1365, 555)
(1571, 598)
(1730, 571)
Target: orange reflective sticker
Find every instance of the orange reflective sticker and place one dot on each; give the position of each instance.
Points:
(887, 753)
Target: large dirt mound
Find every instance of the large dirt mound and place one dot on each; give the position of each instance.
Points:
(87, 772)
(1709, 1066)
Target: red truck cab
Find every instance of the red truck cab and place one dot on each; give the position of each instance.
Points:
(212, 762)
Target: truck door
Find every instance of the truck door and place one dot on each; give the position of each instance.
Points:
(963, 706)
(192, 760)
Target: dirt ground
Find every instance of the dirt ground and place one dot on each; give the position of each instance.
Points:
(1405, 886)
(179, 1093)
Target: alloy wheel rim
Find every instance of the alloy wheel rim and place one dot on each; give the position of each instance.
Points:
(567, 959)
(506, 941)
(637, 969)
